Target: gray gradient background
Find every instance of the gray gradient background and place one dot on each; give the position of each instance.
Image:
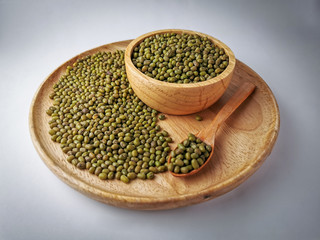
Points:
(277, 39)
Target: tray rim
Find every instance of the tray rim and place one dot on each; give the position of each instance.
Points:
(143, 202)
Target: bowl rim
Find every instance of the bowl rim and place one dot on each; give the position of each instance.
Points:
(220, 77)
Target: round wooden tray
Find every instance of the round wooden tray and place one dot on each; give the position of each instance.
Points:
(243, 142)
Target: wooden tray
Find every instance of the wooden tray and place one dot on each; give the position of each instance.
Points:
(243, 142)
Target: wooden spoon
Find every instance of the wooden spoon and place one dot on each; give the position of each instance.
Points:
(207, 135)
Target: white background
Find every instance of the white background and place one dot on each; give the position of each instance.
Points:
(277, 39)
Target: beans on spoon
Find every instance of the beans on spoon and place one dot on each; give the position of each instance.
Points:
(194, 153)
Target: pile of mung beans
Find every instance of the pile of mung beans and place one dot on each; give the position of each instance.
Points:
(179, 58)
(191, 154)
(100, 123)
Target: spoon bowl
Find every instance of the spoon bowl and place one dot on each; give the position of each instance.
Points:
(207, 135)
(195, 170)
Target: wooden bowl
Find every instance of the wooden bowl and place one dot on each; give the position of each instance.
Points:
(243, 142)
(176, 98)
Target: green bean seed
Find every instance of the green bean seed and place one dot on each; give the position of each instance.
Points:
(184, 170)
(198, 118)
(103, 176)
(150, 175)
(132, 175)
(162, 117)
(195, 164)
(141, 175)
(124, 179)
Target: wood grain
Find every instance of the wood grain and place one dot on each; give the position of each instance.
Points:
(243, 142)
(178, 99)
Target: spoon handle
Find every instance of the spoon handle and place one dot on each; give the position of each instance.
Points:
(233, 103)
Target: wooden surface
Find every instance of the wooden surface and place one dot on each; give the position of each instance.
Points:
(242, 143)
(178, 99)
